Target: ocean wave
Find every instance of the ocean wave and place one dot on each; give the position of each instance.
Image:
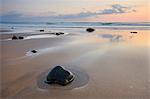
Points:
(99, 23)
(103, 25)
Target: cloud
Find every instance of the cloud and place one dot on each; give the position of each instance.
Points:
(117, 9)
(114, 9)
(78, 15)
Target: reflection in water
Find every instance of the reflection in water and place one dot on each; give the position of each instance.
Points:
(107, 36)
(112, 38)
(116, 38)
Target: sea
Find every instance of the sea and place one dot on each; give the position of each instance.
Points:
(30, 26)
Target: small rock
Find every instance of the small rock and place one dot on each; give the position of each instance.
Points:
(41, 30)
(14, 37)
(61, 33)
(134, 32)
(34, 51)
(21, 37)
(59, 75)
(57, 33)
(90, 30)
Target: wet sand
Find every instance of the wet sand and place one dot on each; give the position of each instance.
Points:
(107, 65)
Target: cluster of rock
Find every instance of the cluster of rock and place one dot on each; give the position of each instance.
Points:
(59, 75)
(59, 33)
(15, 37)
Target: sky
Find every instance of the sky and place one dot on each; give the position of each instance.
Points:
(75, 10)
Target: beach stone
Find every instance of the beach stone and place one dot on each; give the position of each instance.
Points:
(21, 37)
(59, 75)
(41, 30)
(14, 37)
(57, 33)
(61, 33)
(90, 30)
(134, 32)
(34, 51)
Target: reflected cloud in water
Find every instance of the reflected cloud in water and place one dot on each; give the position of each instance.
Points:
(112, 38)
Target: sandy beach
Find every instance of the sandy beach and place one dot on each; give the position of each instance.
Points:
(108, 64)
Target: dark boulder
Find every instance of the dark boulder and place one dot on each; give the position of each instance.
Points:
(34, 51)
(20, 37)
(90, 30)
(14, 37)
(59, 75)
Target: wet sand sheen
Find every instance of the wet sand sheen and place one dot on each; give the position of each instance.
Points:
(110, 69)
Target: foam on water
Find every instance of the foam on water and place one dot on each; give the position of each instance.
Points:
(40, 36)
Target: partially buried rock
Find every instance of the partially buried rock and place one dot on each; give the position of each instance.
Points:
(21, 37)
(90, 30)
(34, 51)
(14, 37)
(59, 75)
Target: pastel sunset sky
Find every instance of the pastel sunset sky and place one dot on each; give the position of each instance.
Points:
(76, 10)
